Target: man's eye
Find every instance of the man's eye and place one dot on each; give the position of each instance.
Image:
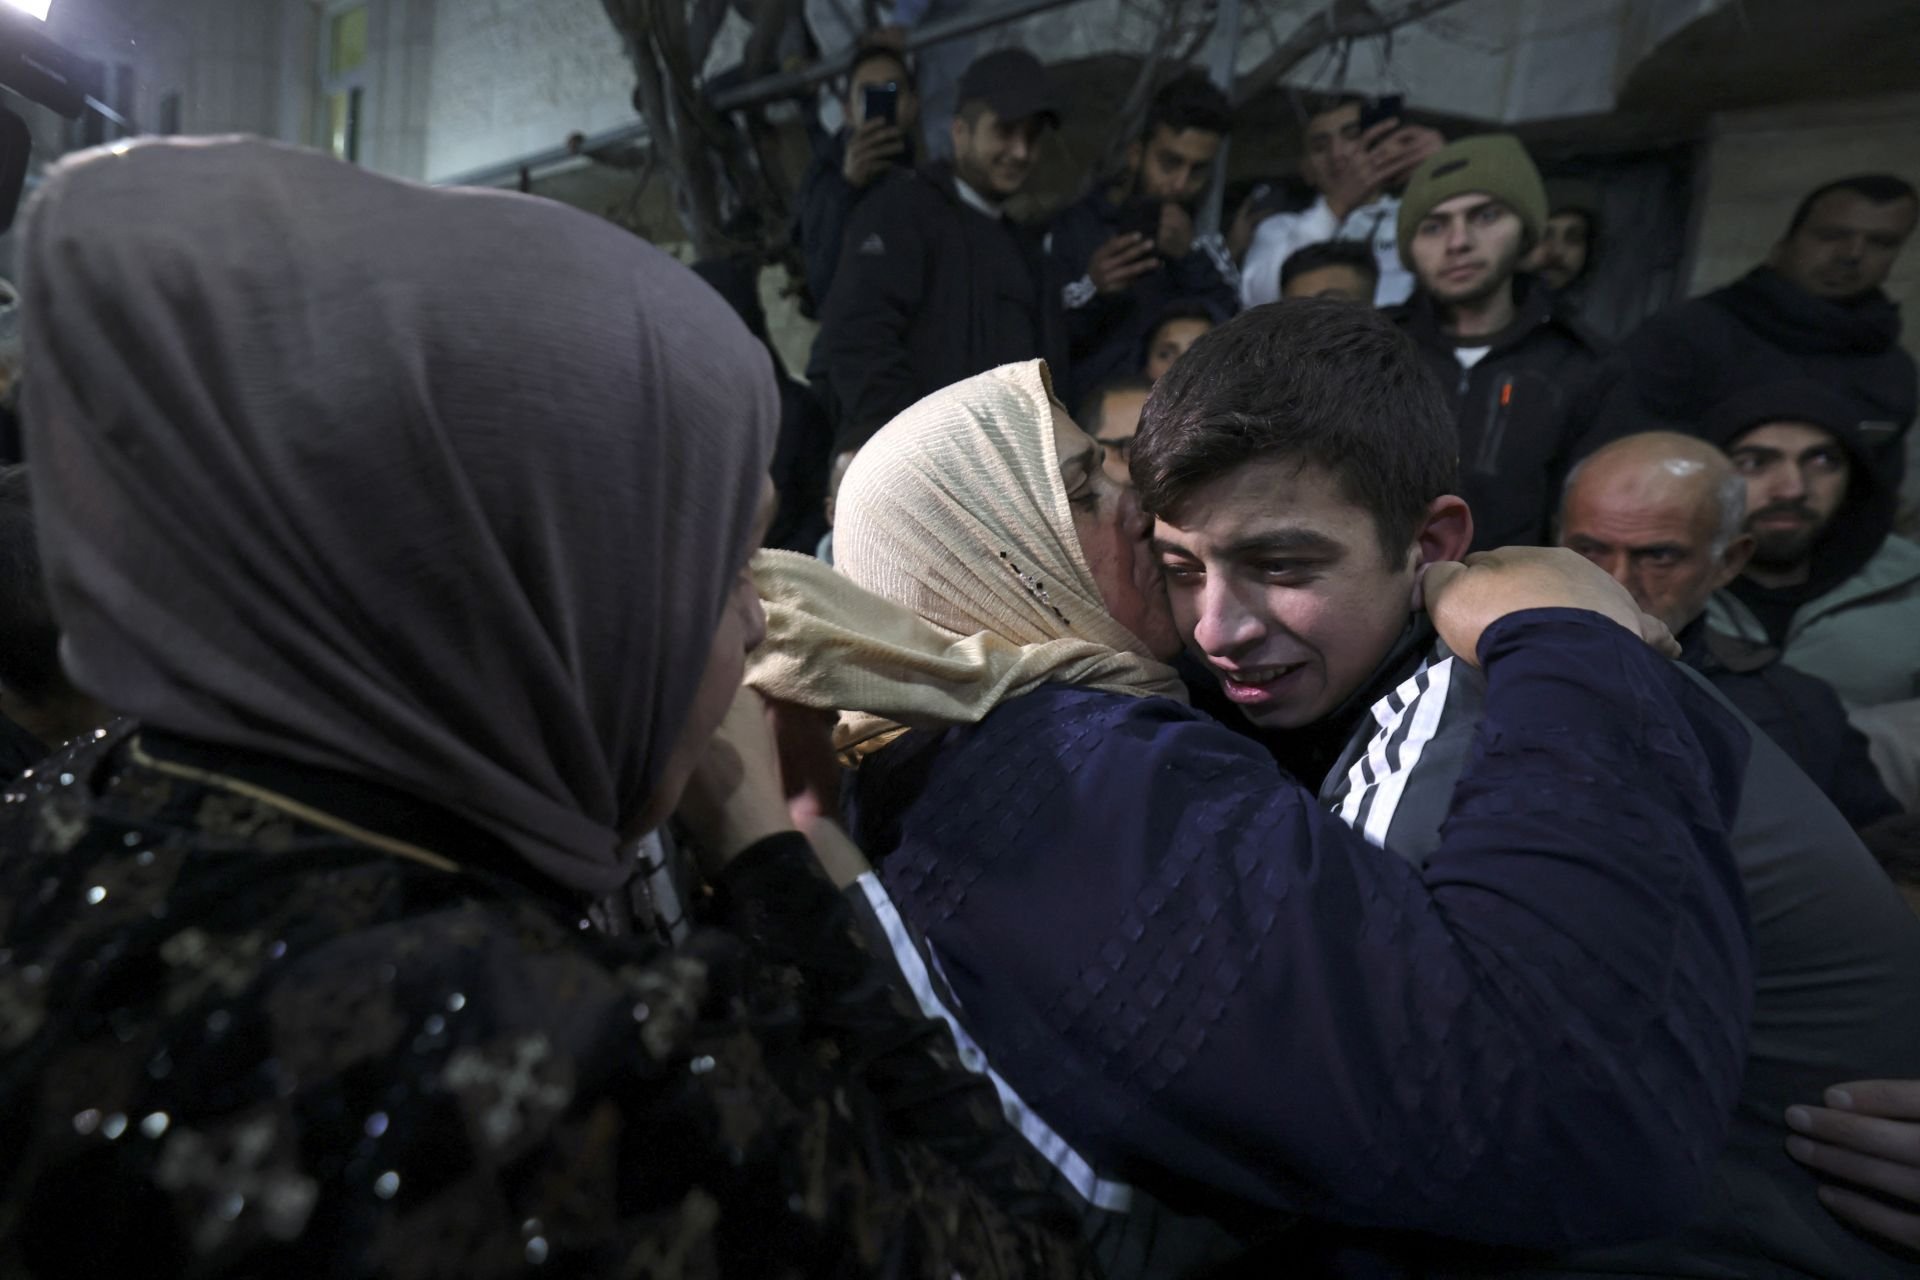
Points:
(1178, 572)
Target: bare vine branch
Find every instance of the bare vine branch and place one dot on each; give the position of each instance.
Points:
(1341, 20)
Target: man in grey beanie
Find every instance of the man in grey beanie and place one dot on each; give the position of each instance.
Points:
(1512, 358)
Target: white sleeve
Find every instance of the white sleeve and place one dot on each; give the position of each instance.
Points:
(1273, 241)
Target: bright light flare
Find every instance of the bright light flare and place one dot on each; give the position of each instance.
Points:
(32, 8)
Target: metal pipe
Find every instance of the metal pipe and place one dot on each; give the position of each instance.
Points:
(509, 170)
(771, 88)
(1226, 45)
(786, 84)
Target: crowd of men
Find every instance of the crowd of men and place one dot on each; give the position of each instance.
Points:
(1791, 379)
(1296, 420)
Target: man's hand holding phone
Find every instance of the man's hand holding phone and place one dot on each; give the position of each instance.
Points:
(1388, 154)
(874, 146)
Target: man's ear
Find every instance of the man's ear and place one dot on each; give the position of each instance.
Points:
(1444, 532)
(1135, 153)
(961, 132)
(1733, 561)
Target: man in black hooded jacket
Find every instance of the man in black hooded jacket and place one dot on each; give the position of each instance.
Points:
(1815, 310)
(1515, 359)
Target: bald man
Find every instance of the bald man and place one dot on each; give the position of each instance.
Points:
(1665, 514)
(1837, 954)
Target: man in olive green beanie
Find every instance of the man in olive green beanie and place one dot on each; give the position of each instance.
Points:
(1514, 357)
(1491, 164)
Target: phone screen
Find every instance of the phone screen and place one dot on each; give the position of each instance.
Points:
(1387, 108)
(1142, 218)
(883, 102)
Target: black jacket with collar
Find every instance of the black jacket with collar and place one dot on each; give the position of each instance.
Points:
(929, 290)
(1515, 408)
(1801, 713)
(1678, 366)
(1109, 332)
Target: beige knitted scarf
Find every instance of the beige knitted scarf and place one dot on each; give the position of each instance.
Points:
(960, 582)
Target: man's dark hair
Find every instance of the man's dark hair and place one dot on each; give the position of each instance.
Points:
(874, 50)
(1580, 211)
(1309, 105)
(29, 637)
(1314, 380)
(1880, 188)
(1178, 309)
(1357, 254)
(1095, 400)
(1189, 102)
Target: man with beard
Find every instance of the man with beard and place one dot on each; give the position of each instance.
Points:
(1560, 259)
(1814, 310)
(1665, 515)
(1128, 248)
(1513, 358)
(1829, 585)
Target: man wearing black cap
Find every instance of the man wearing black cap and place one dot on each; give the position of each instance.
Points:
(1829, 585)
(935, 282)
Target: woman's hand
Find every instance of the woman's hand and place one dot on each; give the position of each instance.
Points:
(734, 799)
(769, 767)
(1867, 1136)
(1464, 599)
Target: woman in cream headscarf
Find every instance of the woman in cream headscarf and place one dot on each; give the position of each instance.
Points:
(427, 588)
(1187, 976)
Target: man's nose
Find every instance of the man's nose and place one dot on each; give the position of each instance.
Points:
(1225, 627)
(1785, 484)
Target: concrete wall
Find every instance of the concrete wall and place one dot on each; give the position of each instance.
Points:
(1760, 163)
(514, 77)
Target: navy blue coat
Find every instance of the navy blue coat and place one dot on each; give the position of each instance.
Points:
(1208, 986)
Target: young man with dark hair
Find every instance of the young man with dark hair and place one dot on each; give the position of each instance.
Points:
(1830, 585)
(1299, 465)
(1565, 248)
(1128, 248)
(936, 283)
(847, 164)
(1354, 171)
(1178, 326)
(1514, 358)
(1814, 310)
(1331, 269)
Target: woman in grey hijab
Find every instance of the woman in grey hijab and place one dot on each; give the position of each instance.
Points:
(423, 588)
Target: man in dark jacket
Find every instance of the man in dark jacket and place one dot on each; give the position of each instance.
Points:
(1665, 514)
(1514, 359)
(935, 282)
(1128, 248)
(1815, 310)
(1829, 584)
(1271, 524)
(848, 164)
